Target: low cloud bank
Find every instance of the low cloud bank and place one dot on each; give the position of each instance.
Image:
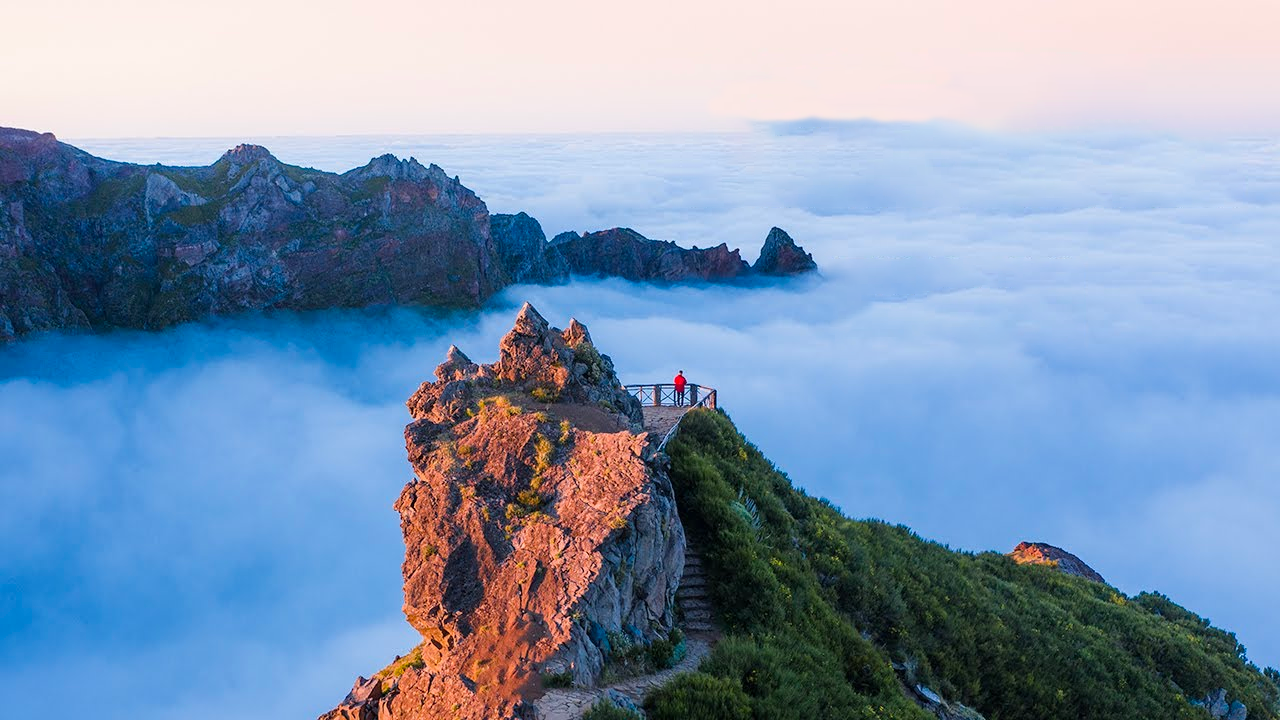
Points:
(1013, 338)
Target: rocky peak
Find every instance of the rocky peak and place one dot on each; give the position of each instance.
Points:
(246, 154)
(782, 256)
(523, 250)
(536, 528)
(390, 166)
(456, 365)
(12, 138)
(1036, 553)
(576, 333)
(417, 184)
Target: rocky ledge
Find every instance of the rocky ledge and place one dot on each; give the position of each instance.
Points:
(1037, 553)
(540, 527)
(88, 243)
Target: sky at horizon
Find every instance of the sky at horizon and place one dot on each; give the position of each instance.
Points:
(153, 68)
(1012, 338)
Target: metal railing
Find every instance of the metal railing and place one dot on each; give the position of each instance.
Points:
(665, 395)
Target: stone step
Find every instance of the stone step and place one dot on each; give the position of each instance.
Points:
(697, 614)
(699, 627)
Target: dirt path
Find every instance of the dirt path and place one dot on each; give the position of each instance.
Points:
(571, 703)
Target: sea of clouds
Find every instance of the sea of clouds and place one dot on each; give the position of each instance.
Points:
(1063, 339)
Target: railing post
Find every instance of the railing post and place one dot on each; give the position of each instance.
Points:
(657, 395)
(711, 400)
(693, 394)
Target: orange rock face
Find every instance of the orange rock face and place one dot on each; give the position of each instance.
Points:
(533, 529)
(1028, 553)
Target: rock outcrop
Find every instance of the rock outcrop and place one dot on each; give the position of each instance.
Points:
(88, 243)
(941, 708)
(781, 256)
(1215, 703)
(539, 528)
(625, 253)
(525, 252)
(1035, 553)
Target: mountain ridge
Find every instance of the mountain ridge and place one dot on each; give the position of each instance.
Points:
(93, 244)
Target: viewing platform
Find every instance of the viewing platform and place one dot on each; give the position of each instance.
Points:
(663, 407)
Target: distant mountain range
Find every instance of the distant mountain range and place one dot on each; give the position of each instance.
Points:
(89, 243)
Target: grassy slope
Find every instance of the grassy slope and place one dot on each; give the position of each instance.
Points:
(817, 607)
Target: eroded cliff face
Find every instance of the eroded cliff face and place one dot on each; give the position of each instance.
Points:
(539, 523)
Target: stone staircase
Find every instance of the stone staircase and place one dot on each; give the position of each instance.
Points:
(692, 597)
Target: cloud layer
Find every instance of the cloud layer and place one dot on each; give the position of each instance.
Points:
(1064, 339)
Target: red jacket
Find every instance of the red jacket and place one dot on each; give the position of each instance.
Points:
(679, 383)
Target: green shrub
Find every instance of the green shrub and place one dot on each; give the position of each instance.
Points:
(664, 653)
(818, 605)
(398, 667)
(545, 394)
(587, 354)
(701, 696)
(606, 710)
(557, 680)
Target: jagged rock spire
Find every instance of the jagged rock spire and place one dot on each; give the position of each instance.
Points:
(782, 256)
(535, 358)
(576, 334)
(456, 365)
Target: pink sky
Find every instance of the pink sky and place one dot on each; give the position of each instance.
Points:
(271, 67)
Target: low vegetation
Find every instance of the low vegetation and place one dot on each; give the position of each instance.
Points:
(607, 710)
(390, 673)
(828, 617)
(557, 679)
(629, 658)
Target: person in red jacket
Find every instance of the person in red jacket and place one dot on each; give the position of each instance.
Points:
(680, 383)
